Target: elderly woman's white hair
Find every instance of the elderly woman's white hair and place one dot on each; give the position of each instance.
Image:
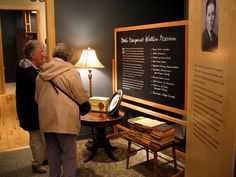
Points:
(30, 47)
(63, 51)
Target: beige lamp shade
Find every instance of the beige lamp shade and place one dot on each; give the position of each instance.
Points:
(89, 59)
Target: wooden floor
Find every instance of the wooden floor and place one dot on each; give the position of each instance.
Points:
(11, 135)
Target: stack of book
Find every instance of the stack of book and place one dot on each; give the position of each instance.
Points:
(163, 135)
(146, 130)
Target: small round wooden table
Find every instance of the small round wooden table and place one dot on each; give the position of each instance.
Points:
(100, 121)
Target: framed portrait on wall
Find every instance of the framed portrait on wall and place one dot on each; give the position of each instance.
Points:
(210, 25)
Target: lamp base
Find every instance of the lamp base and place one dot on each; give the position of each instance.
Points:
(90, 76)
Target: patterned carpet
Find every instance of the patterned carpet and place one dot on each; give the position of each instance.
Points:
(17, 163)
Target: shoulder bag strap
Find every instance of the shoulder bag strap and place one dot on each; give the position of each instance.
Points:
(56, 87)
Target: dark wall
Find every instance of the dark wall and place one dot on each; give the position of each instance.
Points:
(11, 22)
(91, 23)
(12, 27)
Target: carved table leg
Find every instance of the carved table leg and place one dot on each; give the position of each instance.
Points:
(101, 142)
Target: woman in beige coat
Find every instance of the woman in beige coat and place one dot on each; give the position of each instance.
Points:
(59, 116)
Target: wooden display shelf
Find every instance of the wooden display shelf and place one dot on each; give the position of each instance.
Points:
(153, 148)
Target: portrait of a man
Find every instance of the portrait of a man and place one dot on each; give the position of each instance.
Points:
(210, 28)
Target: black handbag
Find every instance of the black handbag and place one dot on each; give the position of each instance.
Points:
(84, 107)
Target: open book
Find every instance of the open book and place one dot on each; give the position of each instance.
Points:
(146, 122)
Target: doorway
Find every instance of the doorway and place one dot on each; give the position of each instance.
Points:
(17, 27)
(19, 137)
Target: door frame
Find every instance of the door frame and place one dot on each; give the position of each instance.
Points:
(2, 73)
(50, 32)
(2, 70)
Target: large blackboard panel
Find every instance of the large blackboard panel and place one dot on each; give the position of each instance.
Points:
(151, 64)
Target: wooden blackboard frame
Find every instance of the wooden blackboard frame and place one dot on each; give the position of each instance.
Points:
(173, 25)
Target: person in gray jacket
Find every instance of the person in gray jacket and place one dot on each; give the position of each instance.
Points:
(59, 116)
(27, 109)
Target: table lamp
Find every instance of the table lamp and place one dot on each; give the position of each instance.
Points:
(89, 59)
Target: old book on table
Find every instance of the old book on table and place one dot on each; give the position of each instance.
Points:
(132, 120)
(162, 134)
(142, 127)
(148, 123)
(164, 128)
(163, 141)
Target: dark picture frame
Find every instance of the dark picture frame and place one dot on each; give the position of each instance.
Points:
(114, 103)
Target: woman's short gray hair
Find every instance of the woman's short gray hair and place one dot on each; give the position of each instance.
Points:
(30, 47)
(63, 51)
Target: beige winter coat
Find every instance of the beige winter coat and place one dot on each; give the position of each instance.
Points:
(57, 112)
